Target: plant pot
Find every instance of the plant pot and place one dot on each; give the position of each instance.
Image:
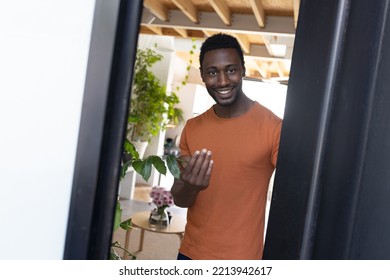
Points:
(140, 146)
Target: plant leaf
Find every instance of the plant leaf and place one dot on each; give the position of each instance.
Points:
(118, 215)
(137, 165)
(114, 255)
(158, 163)
(143, 167)
(146, 170)
(126, 224)
(173, 166)
(130, 149)
(132, 118)
(124, 169)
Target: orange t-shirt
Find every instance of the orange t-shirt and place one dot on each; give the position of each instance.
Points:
(227, 219)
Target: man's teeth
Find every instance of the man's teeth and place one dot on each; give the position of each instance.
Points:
(224, 91)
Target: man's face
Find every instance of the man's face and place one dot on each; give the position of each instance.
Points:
(222, 73)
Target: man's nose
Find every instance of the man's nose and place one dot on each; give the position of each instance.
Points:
(222, 79)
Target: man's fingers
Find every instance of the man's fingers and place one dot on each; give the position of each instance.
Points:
(208, 172)
(204, 165)
(198, 170)
(190, 163)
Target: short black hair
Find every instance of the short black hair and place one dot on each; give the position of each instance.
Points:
(220, 41)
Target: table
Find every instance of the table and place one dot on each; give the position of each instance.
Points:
(141, 220)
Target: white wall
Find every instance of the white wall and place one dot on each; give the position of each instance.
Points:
(270, 95)
(43, 54)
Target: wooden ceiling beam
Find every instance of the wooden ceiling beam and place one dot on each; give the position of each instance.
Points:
(258, 11)
(285, 68)
(222, 10)
(256, 51)
(274, 44)
(208, 33)
(261, 52)
(244, 42)
(296, 11)
(182, 32)
(279, 68)
(157, 9)
(267, 43)
(263, 69)
(188, 8)
(172, 32)
(241, 23)
(157, 30)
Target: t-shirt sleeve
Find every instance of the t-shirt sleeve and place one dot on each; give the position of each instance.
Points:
(275, 143)
(184, 149)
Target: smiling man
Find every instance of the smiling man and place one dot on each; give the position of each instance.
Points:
(229, 153)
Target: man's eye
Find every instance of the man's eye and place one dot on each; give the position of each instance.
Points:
(231, 71)
(212, 73)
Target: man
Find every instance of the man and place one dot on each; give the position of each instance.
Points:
(229, 154)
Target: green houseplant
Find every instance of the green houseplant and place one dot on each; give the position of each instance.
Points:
(151, 107)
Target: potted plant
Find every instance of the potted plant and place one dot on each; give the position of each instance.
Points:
(151, 107)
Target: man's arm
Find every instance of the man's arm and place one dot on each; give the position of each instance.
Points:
(194, 177)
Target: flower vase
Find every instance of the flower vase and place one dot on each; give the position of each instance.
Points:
(159, 218)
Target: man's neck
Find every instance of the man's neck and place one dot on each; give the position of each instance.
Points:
(237, 109)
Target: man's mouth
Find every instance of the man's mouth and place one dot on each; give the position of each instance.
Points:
(224, 91)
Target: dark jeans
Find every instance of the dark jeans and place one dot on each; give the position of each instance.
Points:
(180, 256)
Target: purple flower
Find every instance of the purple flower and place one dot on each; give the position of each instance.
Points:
(161, 197)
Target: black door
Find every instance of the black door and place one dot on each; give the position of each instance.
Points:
(332, 184)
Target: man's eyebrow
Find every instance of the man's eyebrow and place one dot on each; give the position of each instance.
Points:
(210, 68)
(226, 66)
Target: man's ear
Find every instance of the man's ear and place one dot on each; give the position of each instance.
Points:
(244, 71)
